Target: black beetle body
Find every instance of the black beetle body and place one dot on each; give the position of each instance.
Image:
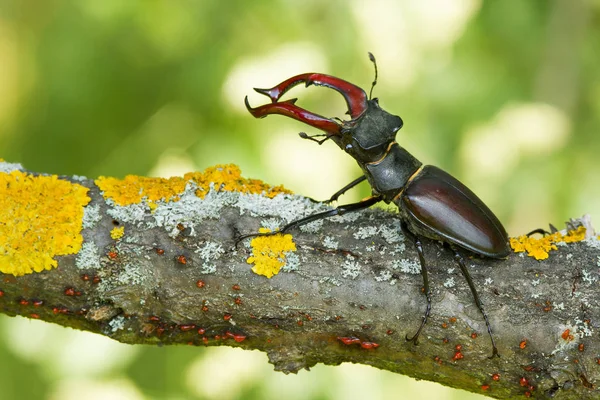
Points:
(436, 205)
(432, 203)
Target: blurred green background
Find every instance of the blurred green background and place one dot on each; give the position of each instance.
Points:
(503, 94)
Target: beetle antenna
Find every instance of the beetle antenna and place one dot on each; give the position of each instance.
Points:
(372, 58)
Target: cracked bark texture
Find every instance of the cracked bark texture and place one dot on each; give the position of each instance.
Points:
(146, 290)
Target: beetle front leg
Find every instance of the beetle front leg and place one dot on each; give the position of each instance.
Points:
(461, 263)
(343, 190)
(341, 210)
(419, 247)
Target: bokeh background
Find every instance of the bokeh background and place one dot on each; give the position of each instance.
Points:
(504, 95)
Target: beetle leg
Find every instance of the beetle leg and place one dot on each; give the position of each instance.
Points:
(461, 263)
(341, 210)
(419, 247)
(355, 97)
(541, 231)
(340, 192)
(343, 190)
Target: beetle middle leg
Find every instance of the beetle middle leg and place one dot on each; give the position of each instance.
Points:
(419, 247)
(461, 263)
(340, 210)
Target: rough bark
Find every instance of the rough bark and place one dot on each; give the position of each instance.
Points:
(350, 278)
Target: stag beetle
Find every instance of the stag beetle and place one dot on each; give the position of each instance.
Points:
(432, 203)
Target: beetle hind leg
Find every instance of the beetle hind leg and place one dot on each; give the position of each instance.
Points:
(461, 263)
(419, 247)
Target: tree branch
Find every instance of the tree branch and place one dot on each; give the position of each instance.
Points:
(350, 293)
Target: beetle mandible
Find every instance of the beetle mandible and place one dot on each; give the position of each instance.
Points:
(431, 202)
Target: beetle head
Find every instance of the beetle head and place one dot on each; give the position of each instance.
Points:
(368, 137)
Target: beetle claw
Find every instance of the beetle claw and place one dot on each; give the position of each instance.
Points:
(414, 339)
(494, 353)
(253, 235)
(272, 93)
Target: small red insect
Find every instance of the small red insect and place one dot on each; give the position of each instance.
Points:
(349, 340)
(187, 327)
(369, 345)
(72, 292)
(237, 337)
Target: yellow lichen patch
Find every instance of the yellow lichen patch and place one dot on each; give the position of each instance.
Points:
(117, 233)
(133, 189)
(229, 178)
(268, 253)
(40, 218)
(576, 235)
(539, 248)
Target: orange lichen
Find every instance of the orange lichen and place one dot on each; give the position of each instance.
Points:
(576, 235)
(268, 253)
(134, 189)
(117, 233)
(539, 248)
(40, 218)
(229, 178)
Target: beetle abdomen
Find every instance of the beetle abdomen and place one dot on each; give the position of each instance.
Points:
(438, 206)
